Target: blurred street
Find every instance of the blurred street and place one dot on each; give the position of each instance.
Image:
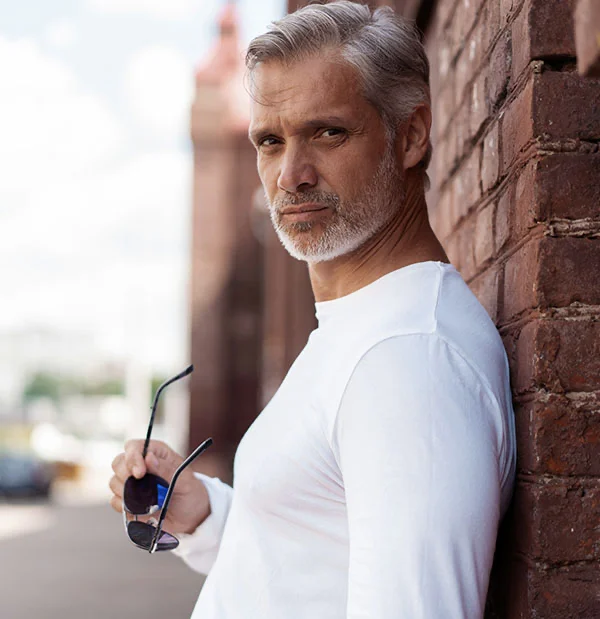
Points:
(70, 559)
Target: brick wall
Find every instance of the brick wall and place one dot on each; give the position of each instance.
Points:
(516, 203)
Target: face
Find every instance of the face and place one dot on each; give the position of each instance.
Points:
(329, 173)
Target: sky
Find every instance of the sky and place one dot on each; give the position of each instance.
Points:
(95, 167)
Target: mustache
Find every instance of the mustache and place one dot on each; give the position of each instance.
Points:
(331, 200)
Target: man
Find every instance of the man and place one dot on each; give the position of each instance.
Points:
(372, 484)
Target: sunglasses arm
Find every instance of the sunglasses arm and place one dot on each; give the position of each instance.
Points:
(185, 372)
(201, 448)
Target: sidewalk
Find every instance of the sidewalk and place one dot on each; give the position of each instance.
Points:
(70, 559)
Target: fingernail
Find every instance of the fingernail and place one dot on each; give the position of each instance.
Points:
(137, 471)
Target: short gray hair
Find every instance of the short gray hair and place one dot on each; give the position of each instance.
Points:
(383, 47)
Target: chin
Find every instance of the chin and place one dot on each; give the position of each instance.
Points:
(316, 252)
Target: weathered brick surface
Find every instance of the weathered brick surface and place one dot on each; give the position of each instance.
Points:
(571, 592)
(560, 434)
(567, 185)
(486, 288)
(543, 30)
(520, 172)
(566, 105)
(560, 271)
(558, 520)
(484, 235)
(517, 129)
(558, 356)
(491, 158)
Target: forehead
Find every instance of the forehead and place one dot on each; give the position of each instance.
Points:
(307, 88)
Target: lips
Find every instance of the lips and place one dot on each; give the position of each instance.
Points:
(302, 208)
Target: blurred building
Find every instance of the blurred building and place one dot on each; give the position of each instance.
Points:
(514, 200)
(251, 304)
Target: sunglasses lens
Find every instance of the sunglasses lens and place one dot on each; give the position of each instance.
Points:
(145, 495)
(142, 534)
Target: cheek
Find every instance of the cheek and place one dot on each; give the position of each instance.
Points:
(267, 172)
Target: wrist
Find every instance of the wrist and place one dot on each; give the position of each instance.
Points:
(200, 505)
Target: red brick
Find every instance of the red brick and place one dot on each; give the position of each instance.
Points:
(559, 435)
(566, 105)
(459, 247)
(441, 217)
(567, 186)
(499, 71)
(556, 355)
(569, 592)
(464, 17)
(463, 72)
(552, 272)
(444, 157)
(517, 129)
(467, 186)
(502, 223)
(520, 281)
(491, 21)
(461, 129)
(444, 11)
(551, 28)
(490, 160)
(561, 518)
(587, 26)
(479, 105)
(516, 214)
(484, 235)
(569, 272)
(543, 30)
(443, 110)
(507, 9)
(486, 288)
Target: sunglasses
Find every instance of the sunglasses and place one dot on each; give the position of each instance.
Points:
(143, 497)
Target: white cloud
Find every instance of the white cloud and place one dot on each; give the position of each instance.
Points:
(93, 237)
(159, 83)
(61, 33)
(108, 254)
(159, 9)
(49, 125)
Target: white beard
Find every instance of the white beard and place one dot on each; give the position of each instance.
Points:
(352, 223)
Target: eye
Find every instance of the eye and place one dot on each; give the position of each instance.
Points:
(268, 140)
(333, 132)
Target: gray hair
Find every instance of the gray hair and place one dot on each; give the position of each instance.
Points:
(383, 47)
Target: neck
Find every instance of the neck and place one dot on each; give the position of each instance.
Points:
(406, 239)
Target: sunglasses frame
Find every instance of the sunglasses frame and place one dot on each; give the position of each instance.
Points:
(165, 505)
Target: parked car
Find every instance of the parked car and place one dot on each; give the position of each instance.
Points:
(24, 475)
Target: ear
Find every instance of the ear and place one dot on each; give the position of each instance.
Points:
(414, 137)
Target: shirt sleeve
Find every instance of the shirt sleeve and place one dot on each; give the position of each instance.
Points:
(200, 548)
(416, 439)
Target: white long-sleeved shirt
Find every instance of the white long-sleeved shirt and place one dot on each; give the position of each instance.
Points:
(371, 486)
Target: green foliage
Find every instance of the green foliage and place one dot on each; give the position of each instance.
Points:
(46, 385)
(42, 385)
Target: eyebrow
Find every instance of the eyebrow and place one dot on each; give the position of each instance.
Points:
(328, 121)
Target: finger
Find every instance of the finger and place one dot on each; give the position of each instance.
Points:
(116, 485)
(133, 458)
(161, 460)
(116, 503)
(119, 467)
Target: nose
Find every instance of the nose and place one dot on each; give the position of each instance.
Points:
(296, 173)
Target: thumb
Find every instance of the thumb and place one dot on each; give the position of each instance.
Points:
(160, 466)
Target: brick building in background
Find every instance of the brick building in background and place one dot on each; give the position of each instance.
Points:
(515, 200)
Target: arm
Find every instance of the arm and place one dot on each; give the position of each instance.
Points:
(416, 439)
(200, 548)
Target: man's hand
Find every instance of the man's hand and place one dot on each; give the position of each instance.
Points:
(189, 505)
